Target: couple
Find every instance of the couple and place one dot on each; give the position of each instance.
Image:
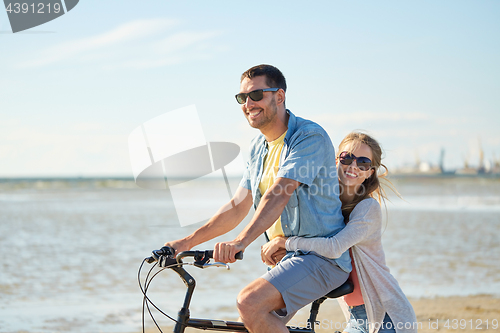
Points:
(300, 204)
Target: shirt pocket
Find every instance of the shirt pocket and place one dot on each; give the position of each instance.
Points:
(293, 201)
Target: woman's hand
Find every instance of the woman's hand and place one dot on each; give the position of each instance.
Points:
(273, 251)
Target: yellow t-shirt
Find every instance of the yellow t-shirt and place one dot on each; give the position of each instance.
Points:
(271, 167)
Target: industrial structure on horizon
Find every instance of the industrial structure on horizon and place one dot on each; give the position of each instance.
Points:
(490, 167)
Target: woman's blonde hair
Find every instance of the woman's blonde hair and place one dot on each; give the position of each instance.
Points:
(372, 186)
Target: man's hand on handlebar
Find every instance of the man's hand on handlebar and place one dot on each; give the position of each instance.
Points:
(226, 251)
(179, 245)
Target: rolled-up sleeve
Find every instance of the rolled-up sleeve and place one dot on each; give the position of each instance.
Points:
(245, 180)
(307, 156)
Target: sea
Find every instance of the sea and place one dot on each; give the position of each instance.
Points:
(71, 249)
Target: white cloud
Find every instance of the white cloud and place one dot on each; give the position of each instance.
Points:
(182, 40)
(138, 44)
(358, 118)
(174, 49)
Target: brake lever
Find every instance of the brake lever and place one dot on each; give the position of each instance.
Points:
(216, 264)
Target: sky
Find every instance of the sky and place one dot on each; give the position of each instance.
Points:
(420, 76)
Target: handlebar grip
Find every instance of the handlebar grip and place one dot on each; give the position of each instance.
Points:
(237, 256)
(166, 250)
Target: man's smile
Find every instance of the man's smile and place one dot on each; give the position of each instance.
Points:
(254, 113)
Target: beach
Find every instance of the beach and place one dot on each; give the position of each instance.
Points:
(439, 314)
(71, 250)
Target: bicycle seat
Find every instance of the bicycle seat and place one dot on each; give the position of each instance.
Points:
(344, 289)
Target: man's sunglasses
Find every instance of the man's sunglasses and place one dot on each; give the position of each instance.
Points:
(255, 95)
(363, 163)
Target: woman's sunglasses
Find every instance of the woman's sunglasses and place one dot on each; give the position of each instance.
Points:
(255, 95)
(363, 163)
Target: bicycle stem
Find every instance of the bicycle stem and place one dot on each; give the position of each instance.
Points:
(183, 315)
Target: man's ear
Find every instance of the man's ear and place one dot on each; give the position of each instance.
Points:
(280, 98)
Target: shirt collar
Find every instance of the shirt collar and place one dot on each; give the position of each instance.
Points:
(292, 123)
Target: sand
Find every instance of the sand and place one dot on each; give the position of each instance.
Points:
(442, 314)
(475, 314)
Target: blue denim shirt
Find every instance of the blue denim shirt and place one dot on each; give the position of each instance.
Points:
(308, 156)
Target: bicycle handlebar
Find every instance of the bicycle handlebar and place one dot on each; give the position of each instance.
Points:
(198, 255)
(207, 254)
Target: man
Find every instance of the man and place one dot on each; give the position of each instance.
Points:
(291, 180)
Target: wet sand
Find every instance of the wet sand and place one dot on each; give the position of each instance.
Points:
(441, 314)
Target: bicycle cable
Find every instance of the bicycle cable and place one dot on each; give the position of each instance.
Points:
(146, 299)
(144, 302)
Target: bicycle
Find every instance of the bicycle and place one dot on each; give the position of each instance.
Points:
(166, 259)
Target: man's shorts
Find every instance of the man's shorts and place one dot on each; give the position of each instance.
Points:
(302, 279)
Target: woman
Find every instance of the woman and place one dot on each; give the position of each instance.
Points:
(377, 303)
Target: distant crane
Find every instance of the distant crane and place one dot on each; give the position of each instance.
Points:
(481, 168)
(441, 161)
